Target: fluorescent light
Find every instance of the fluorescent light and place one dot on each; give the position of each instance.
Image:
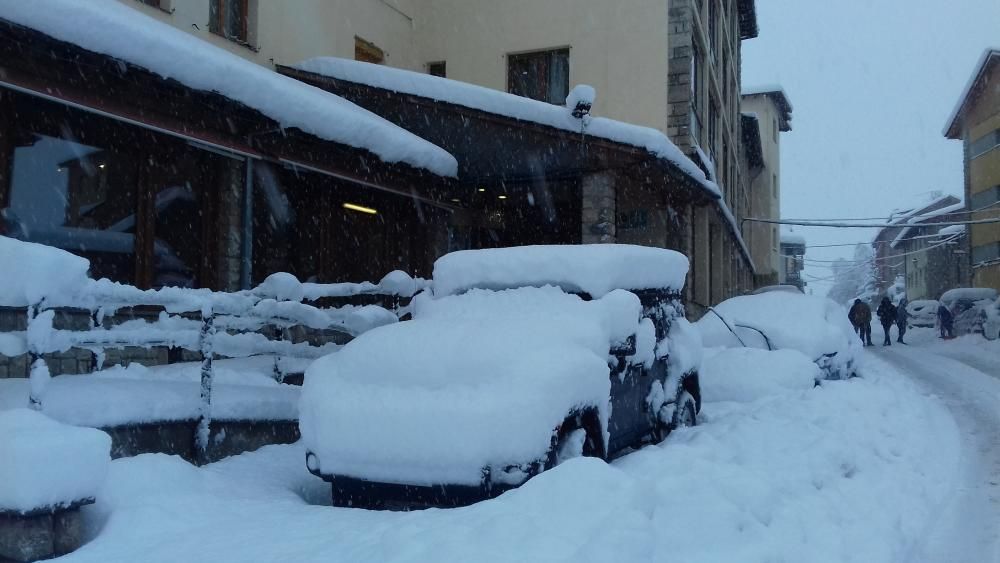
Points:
(501, 197)
(482, 190)
(361, 208)
(100, 165)
(456, 200)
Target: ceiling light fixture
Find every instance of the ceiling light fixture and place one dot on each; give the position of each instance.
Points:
(360, 208)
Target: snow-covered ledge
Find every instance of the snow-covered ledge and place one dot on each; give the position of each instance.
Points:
(47, 471)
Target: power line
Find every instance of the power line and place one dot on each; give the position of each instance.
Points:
(868, 225)
(821, 263)
(902, 216)
(869, 242)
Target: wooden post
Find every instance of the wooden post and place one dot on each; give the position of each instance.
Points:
(206, 344)
(7, 131)
(38, 377)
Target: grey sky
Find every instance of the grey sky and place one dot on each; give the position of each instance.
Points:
(872, 83)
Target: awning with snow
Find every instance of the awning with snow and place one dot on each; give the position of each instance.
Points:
(107, 58)
(495, 134)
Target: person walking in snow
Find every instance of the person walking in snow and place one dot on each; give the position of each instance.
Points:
(887, 316)
(860, 316)
(902, 315)
(945, 319)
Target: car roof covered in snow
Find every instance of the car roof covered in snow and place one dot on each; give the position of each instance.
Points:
(968, 294)
(117, 30)
(595, 269)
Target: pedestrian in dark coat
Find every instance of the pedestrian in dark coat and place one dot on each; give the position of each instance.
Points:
(902, 315)
(887, 316)
(945, 319)
(860, 316)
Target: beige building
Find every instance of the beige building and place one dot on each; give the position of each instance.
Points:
(772, 111)
(673, 65)
(976, 121)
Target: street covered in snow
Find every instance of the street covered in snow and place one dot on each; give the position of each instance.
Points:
(868, 469)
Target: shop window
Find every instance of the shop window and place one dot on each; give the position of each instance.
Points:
(76, 197)
(542, 76)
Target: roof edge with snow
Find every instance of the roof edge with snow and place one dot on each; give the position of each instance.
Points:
(989, 58)
(780, 99)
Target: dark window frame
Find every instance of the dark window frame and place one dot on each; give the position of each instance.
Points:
(438, 68)
(545, 88)
(218, 20)
(984, 144)
(368, 52)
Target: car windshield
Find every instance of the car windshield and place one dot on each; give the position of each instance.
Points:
(564, 280)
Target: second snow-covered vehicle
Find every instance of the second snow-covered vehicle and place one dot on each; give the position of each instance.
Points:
(523, 357)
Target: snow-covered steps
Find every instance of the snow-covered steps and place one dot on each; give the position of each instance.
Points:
(156, 409)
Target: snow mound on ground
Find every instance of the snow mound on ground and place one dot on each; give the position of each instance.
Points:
(44, 463)
(748, 374)
(36, 271)
(590, 268)
(853, 471)
(474, 380)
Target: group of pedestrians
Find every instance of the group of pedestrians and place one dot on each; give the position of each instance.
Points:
(860, 316)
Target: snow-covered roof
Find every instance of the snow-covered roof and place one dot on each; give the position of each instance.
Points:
(505, 104)
(913, 220)
(778, 96)
(112, 28)
(899, 217)
(990, 55)
(791, 237)
(951, 230)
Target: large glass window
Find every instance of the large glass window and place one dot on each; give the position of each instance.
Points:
(985, 199)
(540, 76)
(984, 144)
(77, 197)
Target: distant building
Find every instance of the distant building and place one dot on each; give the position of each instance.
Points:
(934, 259)
(770, 109)
(893, 243)
(793, 251)
(976, 121)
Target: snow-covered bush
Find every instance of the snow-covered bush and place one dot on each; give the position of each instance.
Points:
(35, 271)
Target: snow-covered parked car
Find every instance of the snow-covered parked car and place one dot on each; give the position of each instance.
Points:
(922, 313)
(968, 307)
(816, 326)
(523, 357)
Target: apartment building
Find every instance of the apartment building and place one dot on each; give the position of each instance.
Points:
(976, 122)
(673, 65)
(768, 113)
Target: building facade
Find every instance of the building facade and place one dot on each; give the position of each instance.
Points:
(792, 254)
(678, 72)
(976, 122)
(770, 108)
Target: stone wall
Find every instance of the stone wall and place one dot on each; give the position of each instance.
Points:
(598, 214)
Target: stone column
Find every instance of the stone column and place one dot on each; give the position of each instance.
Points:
(230, 224)
(597, 220)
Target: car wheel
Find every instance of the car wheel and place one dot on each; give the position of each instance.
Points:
(685, 415)
(574, 440)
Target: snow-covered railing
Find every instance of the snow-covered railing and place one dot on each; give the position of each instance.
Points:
(212, 324)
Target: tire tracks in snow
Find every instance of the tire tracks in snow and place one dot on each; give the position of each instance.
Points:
(968, 528)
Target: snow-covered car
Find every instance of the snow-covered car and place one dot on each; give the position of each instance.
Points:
(780, 287)
(521, 358)
(922, 313)
(816, 326)
(967, 306)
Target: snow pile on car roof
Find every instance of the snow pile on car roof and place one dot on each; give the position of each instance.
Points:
(968, 294)
(815, 326)
(117, 30)
(595, 269)
(44, 463)
(476, 380)
(34, 271)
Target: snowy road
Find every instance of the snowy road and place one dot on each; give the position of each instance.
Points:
(967, 380)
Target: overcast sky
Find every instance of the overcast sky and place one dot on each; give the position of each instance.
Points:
(872, 83)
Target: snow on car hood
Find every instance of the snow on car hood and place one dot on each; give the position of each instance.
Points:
(813, 325)
(474, 380)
